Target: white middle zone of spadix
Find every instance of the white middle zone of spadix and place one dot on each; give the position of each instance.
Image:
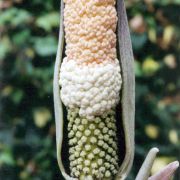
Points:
(93, 88)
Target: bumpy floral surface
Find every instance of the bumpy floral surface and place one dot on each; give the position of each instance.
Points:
(93, 146)
(93, 88)
(90, 76)
(90, 30)
(90, 82)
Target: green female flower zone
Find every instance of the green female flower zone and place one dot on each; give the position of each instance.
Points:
(93, 145)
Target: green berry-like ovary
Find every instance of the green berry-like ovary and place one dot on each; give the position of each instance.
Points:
(92, 146)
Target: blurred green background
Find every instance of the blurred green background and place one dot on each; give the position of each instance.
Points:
(28, 44)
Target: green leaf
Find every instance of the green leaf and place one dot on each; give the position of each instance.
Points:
(49, 21)
(21, 16)
(166, 2)
(14, 16)
(45, 46)
(17, 95)
(5, 47)
(150, 66)
(21, 37)
(138, 41)
(138, 71)
(6, 16)
(6, 157)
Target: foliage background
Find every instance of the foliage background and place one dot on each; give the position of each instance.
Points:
(28, 43)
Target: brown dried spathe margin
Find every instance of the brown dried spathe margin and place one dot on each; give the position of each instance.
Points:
(128, 91)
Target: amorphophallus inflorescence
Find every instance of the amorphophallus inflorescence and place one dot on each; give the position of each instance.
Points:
(90, 83)
(94, 90)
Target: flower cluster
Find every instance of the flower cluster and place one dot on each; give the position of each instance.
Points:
(90, 30)
(93, 88)
(90, 82)
(93, 145)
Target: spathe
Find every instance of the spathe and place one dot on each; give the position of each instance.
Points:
(164, 174)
